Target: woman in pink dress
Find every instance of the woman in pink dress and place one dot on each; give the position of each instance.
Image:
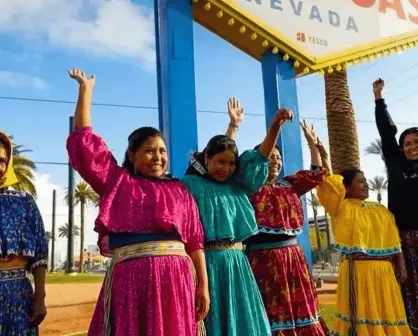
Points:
(148, 223)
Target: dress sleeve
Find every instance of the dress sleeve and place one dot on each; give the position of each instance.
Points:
(331, 193)
(103, 241)
(387, 131)
(305, 180)
(196, 236)
(91, 158)
(253, 170)
(34, 218)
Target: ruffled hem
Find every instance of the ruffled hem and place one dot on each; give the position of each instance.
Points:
(371, 252)
(15, 253)
(39, 263)
(316, 329)
(372, 322)
(300, 322)
(372, 328)
(288, 232)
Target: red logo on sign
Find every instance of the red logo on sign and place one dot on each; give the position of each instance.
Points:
(301, 37)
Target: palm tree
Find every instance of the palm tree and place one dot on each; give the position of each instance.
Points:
(375, 148)
(85, 196)
(378, 184)
(64, 229)
(342, 130)
(314, 203)
(24, 169)
(48, 235)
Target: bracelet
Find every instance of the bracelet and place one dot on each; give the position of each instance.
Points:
(233, 125)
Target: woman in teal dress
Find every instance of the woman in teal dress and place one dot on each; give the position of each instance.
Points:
(221, 181)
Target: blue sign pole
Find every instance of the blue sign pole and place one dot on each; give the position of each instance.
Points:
(176, 83)
(279, 81)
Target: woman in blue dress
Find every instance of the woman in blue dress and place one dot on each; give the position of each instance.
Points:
(221, 181)
(23, 247)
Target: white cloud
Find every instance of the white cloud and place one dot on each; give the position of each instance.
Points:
(112, 28)
(45, 189)
(21, 80)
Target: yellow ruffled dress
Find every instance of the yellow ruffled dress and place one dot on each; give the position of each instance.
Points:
(367, 229)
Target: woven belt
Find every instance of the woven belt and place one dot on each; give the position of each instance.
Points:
(149, 249)
(12, 274)
(271, 245)
(221, 246)
(352, 258)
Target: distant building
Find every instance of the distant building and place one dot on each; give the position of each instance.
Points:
(322, 225)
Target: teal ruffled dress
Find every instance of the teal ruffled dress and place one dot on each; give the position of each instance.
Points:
(236, 305)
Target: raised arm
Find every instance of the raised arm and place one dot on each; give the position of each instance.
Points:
(87, 152)
(326, 163)
(253, 164)
(236, 114)
(269, 142)
(331, 193)
(312, 139)
(385, 125)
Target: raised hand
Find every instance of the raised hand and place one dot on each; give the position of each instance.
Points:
(282, 115)
(81, 78)
(321, 148)
(378, 86)
(309, 132)
(235, 111)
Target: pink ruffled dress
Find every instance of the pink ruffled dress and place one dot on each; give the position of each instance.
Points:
(151, 296)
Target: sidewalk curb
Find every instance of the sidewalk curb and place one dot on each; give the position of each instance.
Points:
(71, 305)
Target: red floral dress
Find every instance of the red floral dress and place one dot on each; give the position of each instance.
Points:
(277, 260)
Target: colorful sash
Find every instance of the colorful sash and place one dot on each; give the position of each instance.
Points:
(352, 258)
(143, 250)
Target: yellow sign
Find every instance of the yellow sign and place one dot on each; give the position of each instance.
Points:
(317, 35)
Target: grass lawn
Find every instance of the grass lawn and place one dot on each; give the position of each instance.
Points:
(328, 312)
(60, 278)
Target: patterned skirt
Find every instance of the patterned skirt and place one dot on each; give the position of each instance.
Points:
(236, 307)
(410, 288)
(15, 299)
(150, 296)
(287, 288)
(377, 307)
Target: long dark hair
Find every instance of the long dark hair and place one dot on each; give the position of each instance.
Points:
(135, 140)
(349, 175)
(216, 145)
(7, 145)
(404, 134)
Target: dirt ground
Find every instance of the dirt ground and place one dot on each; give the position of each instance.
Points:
(70, 307)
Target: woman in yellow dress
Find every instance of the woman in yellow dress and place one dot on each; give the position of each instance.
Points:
(369, 301)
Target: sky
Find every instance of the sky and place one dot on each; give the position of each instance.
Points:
(41, 39)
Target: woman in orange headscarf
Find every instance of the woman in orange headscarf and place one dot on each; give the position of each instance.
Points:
(23, 247)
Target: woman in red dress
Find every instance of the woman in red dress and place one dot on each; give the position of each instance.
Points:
(276, 258)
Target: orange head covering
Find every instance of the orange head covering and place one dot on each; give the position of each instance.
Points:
(9, 177)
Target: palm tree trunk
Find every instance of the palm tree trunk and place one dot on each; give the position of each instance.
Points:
(328, 229)
(379, 197)
(342, 130)
(318, 235)
(82, 210)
